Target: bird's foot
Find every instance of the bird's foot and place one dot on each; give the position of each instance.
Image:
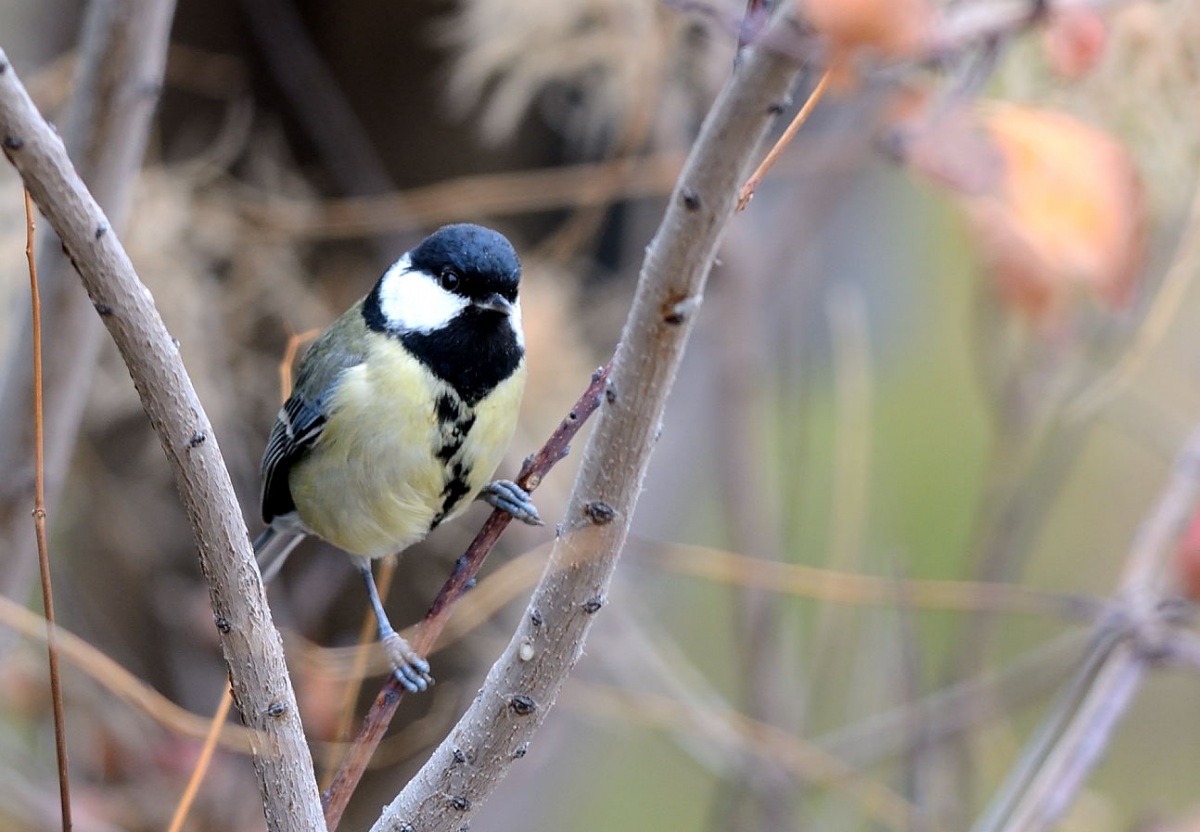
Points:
(411, 671)
(506, 495)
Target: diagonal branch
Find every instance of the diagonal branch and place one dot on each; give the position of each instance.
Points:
(251, 644)
(1134, 638)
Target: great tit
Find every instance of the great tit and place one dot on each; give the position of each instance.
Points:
(401, 412)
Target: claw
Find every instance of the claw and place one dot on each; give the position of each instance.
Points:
(411, 671)
(506, 495)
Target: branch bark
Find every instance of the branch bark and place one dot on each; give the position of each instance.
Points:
(251, 644)
(525, 681)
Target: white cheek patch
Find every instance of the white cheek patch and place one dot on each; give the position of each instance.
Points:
(514, 320)
(414, 302)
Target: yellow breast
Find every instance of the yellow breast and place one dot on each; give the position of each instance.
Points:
(400, 452)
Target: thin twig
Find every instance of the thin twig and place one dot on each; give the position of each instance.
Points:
(39, 524)
(532, 471)
(1167, 303)
(951, 711)
(752, 514)
(967, 25)
(584, 185)
(838, 587)
(384, 708)
(740, 736)
(126, 687)
(1065, 758)
(203, 763)
(756, 178)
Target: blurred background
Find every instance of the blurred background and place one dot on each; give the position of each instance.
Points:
(874, 388)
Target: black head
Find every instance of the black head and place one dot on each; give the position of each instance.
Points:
(469, 260)
(452, 302)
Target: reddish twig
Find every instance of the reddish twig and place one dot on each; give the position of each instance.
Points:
(39, 523)
(384, 708)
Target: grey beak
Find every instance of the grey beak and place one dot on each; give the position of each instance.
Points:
(495, 302)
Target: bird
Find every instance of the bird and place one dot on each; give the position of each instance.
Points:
(401, 412)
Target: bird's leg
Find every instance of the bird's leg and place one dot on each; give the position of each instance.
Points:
(506, 495)
(412, 671)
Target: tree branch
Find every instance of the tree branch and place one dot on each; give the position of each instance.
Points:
(1136, 636)
(251, 644)
(524, 683)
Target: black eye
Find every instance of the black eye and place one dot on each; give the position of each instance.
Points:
(449, 280)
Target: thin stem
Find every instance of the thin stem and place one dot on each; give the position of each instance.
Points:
(117, 76)
(39, 524)
(125, 686)
(203, 763)
(1066, 750)
(756, 178)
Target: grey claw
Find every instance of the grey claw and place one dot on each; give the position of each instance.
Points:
(506, 495)
(410, 669)
(412, 679)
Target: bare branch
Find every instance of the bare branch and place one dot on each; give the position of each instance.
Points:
(252, 646)
(525, 681)
(1138, 634)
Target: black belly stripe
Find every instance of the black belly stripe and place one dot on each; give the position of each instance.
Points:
(447, 409)
(455, 420)
(456, 488)
(453, 437)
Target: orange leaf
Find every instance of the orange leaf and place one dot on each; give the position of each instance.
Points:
(888, 28)
(1064, 214)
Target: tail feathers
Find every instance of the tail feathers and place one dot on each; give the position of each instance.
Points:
(272, 548)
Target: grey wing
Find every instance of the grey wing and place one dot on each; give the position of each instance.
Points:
(296, 429)
(302, 418)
